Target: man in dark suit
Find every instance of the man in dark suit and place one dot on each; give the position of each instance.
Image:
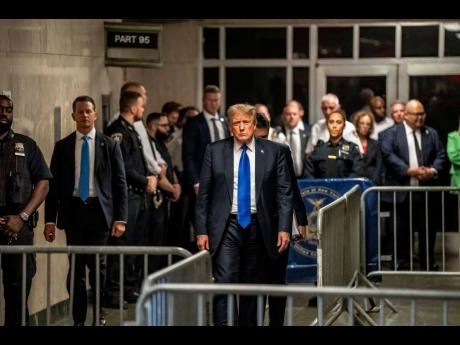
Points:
(277, 275)
(203, 129)
(293, 135)
(88, 197)
(414, 156)
(244, 209)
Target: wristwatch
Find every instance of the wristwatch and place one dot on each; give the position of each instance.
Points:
(24, 216)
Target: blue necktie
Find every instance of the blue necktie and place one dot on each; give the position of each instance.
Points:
(83, 186)
(244, 190)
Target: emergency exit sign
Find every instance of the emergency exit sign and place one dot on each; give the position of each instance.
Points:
(130, 44)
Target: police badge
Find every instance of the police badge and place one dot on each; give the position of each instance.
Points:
(118, 137)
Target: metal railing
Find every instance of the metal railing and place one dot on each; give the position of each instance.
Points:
(411, 268)
(195, 295)
(97, 251)
(339, 241)
(156, 311)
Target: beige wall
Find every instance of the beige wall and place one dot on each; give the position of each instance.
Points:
(47, 63)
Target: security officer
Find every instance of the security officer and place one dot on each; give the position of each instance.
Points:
(24, 184)
(140, 185)
(336, 158)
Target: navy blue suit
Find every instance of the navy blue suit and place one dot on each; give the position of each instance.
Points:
(243, 255)
(87, 223)
(195, 138)
(395, 153)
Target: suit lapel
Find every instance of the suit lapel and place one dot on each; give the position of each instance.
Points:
(405, 145)
(205, 129)
(228, 167)
(71, 151)
(260, 164)
(426, 144)
(98, 146)
(303, 143)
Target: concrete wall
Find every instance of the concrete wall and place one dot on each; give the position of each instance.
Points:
(47, 63)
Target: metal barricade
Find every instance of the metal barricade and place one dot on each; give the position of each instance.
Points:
(97, 251)
(159, 310)
(194, 294)
(395, 266)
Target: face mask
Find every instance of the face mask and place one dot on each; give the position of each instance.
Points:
(162, 136)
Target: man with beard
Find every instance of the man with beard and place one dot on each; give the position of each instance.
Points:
(24, 184)
(169, 188)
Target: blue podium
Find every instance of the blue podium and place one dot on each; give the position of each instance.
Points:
(317, 193)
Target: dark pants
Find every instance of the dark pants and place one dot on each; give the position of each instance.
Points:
(12, 277)
(134, 236)
(157, 234)
(241, 258)
(277, 275)
(88, 228)
(418, 224)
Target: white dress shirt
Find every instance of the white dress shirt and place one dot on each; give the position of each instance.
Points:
(92, 150)
(319, 131)
(297, 157)
(220, 127)
(381, 126)
(411, 146)
(236, 163)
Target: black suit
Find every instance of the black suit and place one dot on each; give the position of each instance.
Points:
(372, 162)
(304, 135)
(395, 152)
(195, 138)
(243, 255)
(87, 223)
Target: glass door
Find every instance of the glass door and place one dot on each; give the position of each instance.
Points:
(347, 82)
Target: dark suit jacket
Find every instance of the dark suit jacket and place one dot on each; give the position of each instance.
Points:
(299, 206)
(110, 181)
(195, 138)
(395, 153)
(372, 162)
(303, 143)
(273, 192)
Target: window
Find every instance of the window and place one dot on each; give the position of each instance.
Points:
(419, 41)
(301, 43)
(377, 41)
(255, 43)
(335, 42)
(211, 43)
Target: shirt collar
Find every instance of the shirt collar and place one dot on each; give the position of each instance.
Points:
(251, 146)
(409, 129)
(91, 134)
(210, 116)
(295, 129)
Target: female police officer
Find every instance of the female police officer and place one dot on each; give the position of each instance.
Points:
(335, 158)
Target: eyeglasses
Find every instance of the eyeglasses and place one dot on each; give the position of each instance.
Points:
(417, 114)
(7, 110)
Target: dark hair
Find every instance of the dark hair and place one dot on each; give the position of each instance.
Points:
(128, 99)
(170, 107)
(154, 117)
(183, 112)
(5, 97)
(262, 121)
(83, 99)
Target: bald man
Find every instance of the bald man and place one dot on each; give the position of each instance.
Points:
(414, 156)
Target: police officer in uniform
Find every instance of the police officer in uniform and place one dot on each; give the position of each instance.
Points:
(141, 186)
(336, 158)
(24, 184)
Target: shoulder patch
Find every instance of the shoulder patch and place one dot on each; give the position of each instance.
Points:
(118, 137)
(19, 149)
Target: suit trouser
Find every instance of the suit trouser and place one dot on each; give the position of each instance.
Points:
(241, 258)
(418, 224)
(277, 275)
(88, 228)
(12, 277)
(138, 218)
(157, 234)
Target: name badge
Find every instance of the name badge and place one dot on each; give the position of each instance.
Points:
(19, 149)
(331, 157)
